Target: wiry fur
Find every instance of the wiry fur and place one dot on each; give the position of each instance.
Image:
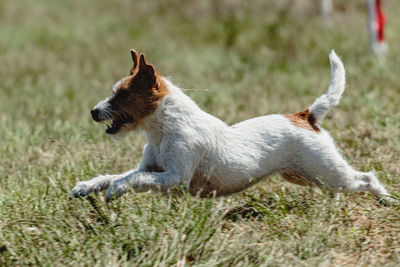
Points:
(189, 147)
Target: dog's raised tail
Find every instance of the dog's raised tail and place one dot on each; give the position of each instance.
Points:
(331, 98)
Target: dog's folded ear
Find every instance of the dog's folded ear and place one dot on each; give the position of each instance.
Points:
(135, 59)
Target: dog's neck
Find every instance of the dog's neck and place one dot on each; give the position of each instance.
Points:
(175, 110)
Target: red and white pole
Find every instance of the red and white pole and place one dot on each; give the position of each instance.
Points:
(376, 24)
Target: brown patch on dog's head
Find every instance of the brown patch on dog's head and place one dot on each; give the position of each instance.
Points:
(304, 120)
(134, 97)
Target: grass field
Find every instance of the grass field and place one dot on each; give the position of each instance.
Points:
(58, 58)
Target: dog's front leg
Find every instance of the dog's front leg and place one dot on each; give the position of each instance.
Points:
(97, 184)
(102, 182)
(143, 181)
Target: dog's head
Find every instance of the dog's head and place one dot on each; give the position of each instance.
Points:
(133, 98)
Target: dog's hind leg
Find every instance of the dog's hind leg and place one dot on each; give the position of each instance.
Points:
(366, 181)
(320, 160)
(351, 181)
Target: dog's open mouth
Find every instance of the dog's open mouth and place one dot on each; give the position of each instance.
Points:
(117, 124)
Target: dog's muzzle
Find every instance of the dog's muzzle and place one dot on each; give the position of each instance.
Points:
(117, 121)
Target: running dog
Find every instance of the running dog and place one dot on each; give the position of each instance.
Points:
(191, 148)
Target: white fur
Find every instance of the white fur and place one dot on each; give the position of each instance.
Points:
(188, 143)
(331, 98)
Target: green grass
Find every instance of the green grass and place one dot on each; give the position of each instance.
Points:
(59, 58)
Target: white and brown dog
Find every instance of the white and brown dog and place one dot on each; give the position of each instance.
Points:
(191, 148)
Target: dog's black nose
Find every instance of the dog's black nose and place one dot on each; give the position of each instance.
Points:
(95, 114)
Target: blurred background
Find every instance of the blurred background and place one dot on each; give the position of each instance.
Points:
(60, 57)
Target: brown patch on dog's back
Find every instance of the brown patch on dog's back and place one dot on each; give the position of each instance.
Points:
(304, 120)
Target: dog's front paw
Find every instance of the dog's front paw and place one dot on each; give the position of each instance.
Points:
(116, 189)
(82, 189)
(96, 184)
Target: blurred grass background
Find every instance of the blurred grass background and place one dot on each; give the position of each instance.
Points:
(59, 58)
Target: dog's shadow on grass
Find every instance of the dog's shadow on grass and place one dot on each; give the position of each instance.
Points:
(257, 209)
